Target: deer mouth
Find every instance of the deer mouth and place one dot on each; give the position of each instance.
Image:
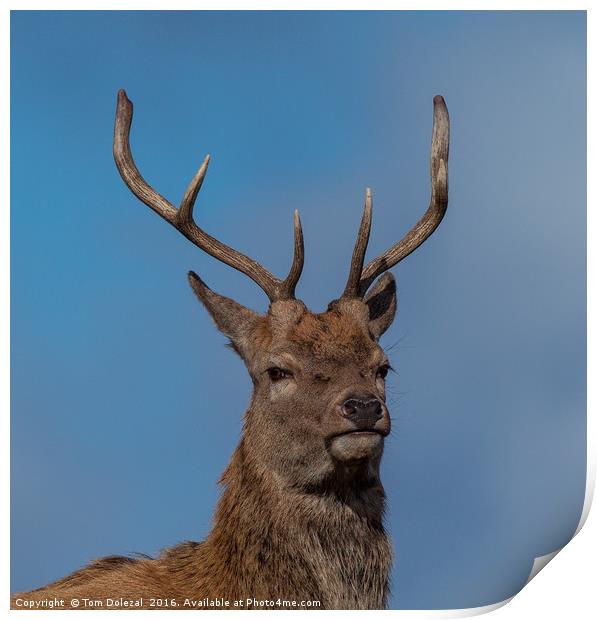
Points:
(355, 445)
(358, 432)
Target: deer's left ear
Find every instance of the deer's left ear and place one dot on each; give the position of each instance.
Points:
(232, 319)
(381, 300)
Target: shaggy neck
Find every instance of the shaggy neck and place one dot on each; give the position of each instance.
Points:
(276, 542)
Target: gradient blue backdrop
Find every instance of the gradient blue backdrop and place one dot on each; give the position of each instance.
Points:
(127, 405)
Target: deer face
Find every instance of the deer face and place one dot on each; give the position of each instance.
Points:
(318, 408)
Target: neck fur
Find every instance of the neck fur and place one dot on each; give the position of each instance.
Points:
(325, 543)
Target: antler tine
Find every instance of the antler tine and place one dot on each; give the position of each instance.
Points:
(289, 285)
(437, 207)
(360, 247)
(187, 204)
(182, 218)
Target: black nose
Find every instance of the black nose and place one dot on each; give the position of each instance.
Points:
(362, 413)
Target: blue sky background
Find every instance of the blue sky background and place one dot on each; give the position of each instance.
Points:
(127, 405)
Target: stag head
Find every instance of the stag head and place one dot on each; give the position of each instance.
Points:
(318, 415)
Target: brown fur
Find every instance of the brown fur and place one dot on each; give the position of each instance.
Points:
(295, 521)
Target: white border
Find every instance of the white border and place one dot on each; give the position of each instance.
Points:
(305, 5)
(566, 588)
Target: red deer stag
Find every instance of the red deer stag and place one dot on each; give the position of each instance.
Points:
(300, 517)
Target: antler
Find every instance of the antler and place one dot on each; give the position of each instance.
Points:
(182, 218)
(359, 279)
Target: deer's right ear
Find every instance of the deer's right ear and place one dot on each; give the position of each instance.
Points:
(232, 319)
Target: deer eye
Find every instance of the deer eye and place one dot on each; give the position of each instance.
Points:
(277, 374)
(382, 371)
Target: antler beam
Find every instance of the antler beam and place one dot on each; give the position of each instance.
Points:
(425, 226)
(182, 218)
